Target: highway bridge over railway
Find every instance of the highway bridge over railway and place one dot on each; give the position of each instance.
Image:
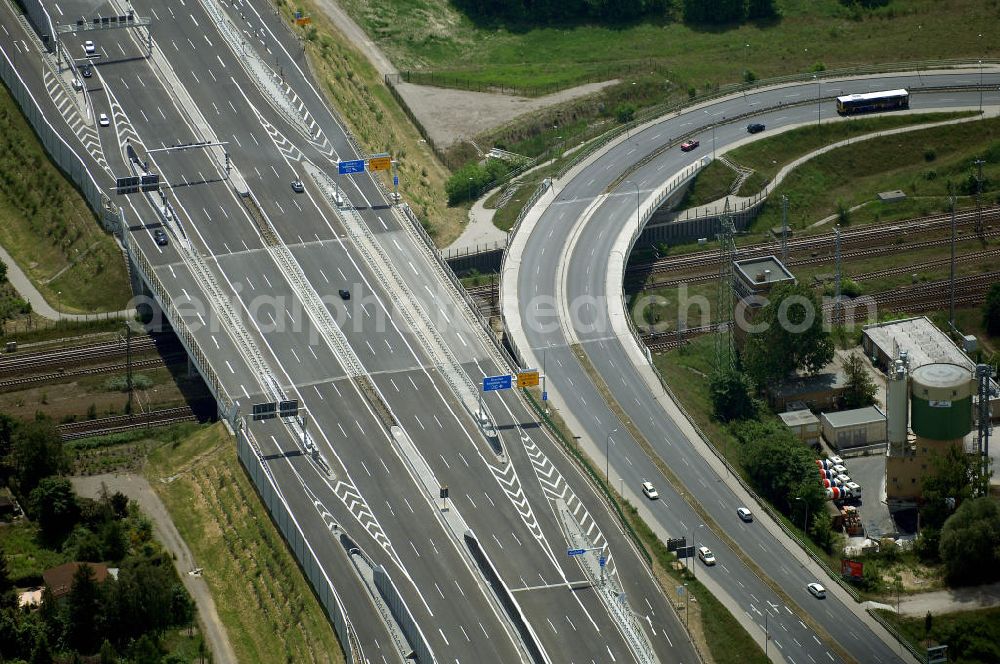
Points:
(214, 99)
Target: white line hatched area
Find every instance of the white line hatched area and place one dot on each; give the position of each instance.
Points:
(557, 489)
(86, 134)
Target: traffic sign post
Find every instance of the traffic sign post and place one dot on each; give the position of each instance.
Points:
(264, 411)
(493, 383)
(444, 498)
(379, 162)
(352, 166)
(527, 378)
(575, 552)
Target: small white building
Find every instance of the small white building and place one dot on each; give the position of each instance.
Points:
(854, 428)
(803, 424)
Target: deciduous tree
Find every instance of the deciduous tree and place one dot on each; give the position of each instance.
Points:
(53, 505)
(792, 336)
(732, 396)
(38, 453)
(970, 542)
(860, 389)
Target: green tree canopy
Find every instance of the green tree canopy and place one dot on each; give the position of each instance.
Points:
(7, 598)
(860, 389)
(53, 505)
(787, 335)
(732, 396)
(780, 467)
(561, 11)
(970, 542)
(952, 480)
(83, 610)
(38, 452)
(716, 12)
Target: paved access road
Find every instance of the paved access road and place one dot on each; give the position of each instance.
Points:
(196, 88)
(559, 274)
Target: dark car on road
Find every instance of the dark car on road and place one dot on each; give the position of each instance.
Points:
(755, 127)
(344, 294)
(687, 146)
(160, 236)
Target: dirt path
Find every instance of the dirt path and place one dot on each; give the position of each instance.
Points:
(951, 600)
(450, 115)
(138, 489)
(39, 305)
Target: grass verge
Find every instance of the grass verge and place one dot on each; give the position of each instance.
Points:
(924, 164)
(263, 600)
(709, 185)
(46, 226)
(711, 625)
(971, 636)
(433, 35)
(675, 480)
(356, 90)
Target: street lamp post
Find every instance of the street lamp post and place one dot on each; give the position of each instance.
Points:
(766, 639)
(470, 189)
(980, 85)
(607, 455)
(818, 99)
(694, 545)
(805, 520)
(713, 141)
(638, 224)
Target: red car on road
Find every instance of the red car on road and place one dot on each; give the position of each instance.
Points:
(687, 146)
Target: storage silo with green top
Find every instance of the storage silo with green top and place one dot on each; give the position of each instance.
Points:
(941, 401)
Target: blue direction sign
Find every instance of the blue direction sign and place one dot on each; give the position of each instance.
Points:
(395, 180)
(352, 166)
(492, 383)
(575, 552)
(603, 561)
(545, 396)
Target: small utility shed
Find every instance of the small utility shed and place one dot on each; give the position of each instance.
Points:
(803, 424)
(854, 428)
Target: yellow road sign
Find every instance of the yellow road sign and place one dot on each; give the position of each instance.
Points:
(527, 379)
(380, 163)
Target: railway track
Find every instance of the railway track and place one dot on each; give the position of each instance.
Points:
(848, 238)
(849, 256)
(913, 299)
(24, 381)
(118, 423)
(18, 364)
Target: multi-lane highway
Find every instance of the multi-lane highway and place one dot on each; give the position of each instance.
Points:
(555, 288)
(253, 269)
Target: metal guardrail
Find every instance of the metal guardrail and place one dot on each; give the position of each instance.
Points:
(666, 109)
(896, 634)
(421, 325)
(437, 259)
(595, 477)
(250, 458)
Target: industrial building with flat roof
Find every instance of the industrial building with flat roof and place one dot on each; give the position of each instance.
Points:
(854, 428)
(923, 344)
(757, 276)
(803, 424)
